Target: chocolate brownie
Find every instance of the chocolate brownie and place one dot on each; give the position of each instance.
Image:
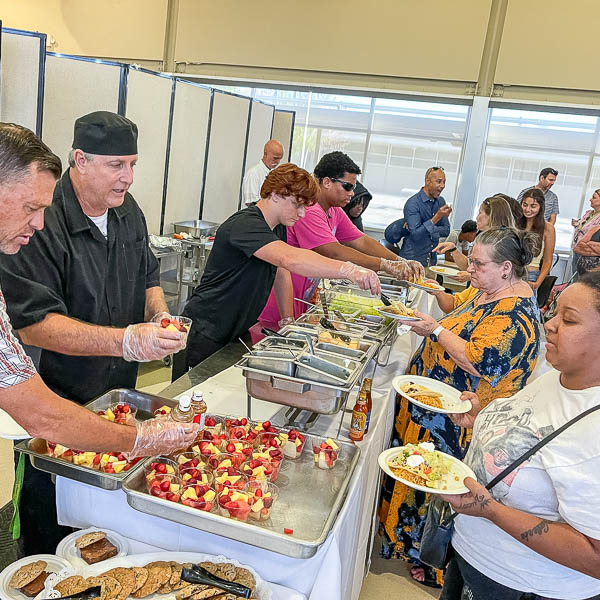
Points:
(98, 551)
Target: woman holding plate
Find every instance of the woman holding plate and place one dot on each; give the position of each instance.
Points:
(488, 344)
(542, 520)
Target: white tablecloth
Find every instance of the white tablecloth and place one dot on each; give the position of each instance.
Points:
(335, 572)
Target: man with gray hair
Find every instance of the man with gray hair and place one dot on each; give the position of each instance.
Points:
(255, 177)
(86, 287)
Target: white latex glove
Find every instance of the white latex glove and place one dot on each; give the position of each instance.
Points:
(158, 317)
(162, 436)
(144, 342)
(407, 270)
(364, 278)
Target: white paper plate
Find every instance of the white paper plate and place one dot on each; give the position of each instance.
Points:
(55, 565)
(10, 429)
(263, 589)
(438, 288)
(443, 270)
(450, 399)
(66, 548)
(384, 313)
(459, 469)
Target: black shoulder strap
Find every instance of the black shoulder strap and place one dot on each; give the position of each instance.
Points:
(535, 448)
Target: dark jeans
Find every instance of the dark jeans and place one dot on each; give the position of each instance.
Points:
(464, 582)
(40, 531)
(198, 349)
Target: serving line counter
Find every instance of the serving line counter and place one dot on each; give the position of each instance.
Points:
(337, 569)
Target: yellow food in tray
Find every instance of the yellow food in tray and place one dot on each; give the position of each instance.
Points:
(326, 338)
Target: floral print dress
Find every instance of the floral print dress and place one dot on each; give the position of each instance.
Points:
(503, 341)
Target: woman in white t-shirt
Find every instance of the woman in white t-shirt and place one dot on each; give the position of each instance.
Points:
(537, 534)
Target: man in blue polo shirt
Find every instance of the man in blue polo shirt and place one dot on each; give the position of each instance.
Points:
(426, 215)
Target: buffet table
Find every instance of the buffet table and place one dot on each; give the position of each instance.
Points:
(336, 571)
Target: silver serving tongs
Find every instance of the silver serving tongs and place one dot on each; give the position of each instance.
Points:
(323, 300)
(327, 324)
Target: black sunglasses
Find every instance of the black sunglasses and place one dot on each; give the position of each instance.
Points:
(345, 184)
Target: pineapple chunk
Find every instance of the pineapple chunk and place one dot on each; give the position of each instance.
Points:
(196, 449)
(109, 414)
(209, 496)
(119, 465)
(174, 487)
(190, 494)
(332, 444)
(258, 505)
(225, 464)
(60, 450)
(170, 469)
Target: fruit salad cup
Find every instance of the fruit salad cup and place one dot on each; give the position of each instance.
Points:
(119, 412)
(159, 468)
(112, 462)
(196, 476)
(225, 460)
(201, 497)
(261, 469)
(204, 449)
(326, 453)
(240, 451)
(234, 504)
(167, 487)
(292, 442)
(190, 463)
(214, 425)
(182, 324)
(237, 428)
(261, 499)
(229, 478)
(163, 411)
(264, 427)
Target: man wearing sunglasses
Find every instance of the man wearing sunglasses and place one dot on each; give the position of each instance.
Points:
(327, 230)
(426, 215)
(546, 180)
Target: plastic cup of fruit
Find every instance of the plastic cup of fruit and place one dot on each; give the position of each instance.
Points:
(262, 496)
(119, 412)
(159, 468)
(223, 460)
(237, 427)
(167, 487)
(267, 440)
(265, 427)
(292, 443)
(240, 451)
(200, 497)
(190, 461)
(234, 504)
(196, 476)
(110, 462)
(204, 449)
(214, 425)
(229, 478)
(261, 469)
(325, 454)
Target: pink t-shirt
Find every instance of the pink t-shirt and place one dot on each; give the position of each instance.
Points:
(316, 229)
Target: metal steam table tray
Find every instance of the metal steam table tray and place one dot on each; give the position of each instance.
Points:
(37, 448)
(308, 503)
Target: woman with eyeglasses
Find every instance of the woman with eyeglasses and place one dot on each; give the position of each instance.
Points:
(586, 238)
(536, 535)
(533, 205)
(488, 344)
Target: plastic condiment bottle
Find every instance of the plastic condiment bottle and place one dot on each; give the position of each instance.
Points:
(359, 418)
(367, 387)
(199, 407)
(183, 412)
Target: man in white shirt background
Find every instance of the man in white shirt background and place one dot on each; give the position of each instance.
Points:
(254, 178)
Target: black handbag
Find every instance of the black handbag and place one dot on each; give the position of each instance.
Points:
(436, 550)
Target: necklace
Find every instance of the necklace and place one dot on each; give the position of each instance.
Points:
(492, 297)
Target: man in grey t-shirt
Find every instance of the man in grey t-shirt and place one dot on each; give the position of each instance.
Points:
(546, 181)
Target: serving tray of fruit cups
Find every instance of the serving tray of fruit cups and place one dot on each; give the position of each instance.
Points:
(105, 470)
(277, 489)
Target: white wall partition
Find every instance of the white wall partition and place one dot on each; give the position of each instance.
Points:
(220, 196)
(283, 130)
(148, 106)
(20, 82)
(259, 132)
(191, 115)
(74, 88)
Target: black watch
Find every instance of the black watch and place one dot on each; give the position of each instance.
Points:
(435, 334)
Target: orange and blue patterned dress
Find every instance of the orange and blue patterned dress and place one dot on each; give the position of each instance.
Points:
(503, 341)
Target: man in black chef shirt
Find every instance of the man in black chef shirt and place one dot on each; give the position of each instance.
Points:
(82, 288)
(249, 257)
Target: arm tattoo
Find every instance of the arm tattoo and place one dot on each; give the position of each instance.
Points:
(481, 500)
(540, 529)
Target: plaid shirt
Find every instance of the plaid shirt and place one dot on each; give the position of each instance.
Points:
(15, 366)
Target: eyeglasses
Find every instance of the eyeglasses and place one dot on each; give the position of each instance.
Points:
(345, 184)
(477, 264)
(437, 169)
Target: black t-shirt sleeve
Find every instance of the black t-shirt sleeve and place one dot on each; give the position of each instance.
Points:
(250, 233)
(32, 281)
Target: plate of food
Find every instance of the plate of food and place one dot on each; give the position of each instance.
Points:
(26, 578)
(422, 467)
(398, 311)
(427, 285)
(442, 270)
(431, 394)
(91, 546)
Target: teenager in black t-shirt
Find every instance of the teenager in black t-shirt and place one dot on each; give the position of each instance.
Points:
(249, 257)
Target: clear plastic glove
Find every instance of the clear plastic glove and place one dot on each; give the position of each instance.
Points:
(364, 278)
(144, 342)
(408, 270)
(162, 436)
(158, 317)
(285, 321)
